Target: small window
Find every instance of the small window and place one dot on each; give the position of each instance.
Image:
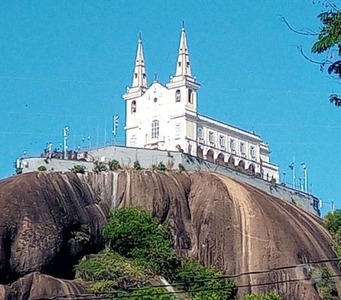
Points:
(133, 107)
(200, 133)
(253, 152)
(190, 96)
(179, 64)
(155, 129)
(188, 64)
(177, 96)
(211, 137)
(222, 140)
(144, 76)
(242, 148)
(232, 145)
(178, 130)
(155, 100)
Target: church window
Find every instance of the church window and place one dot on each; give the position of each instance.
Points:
(133, 140)
(144, 75)
(222, 141)
(253, 152)
(155, 100)
(200, 133)
(232, 145)
(155, 129)
(133, 107)
(242, 148)
(177, 96)
(179, 63)
(135, 75)
(190, 96)
(188, 64)
(177, 130)
(211, 137)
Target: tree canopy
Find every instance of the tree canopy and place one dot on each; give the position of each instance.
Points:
(328, 42)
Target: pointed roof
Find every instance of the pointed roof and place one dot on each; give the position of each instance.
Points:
(183, 67)
(139, 76)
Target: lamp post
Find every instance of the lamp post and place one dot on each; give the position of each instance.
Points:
(65, 138)
(292, 167)
(305, 177)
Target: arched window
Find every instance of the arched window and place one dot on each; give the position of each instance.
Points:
(133, 107)
(177, 96)
(155, 129)
(190, 96)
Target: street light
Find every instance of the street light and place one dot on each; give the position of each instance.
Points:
(305, 177)
(65, 138)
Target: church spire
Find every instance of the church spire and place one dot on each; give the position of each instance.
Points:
(139, 76)
(183, 67)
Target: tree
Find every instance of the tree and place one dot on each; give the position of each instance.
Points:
(269, 296)
(328, 39)
(135, 234)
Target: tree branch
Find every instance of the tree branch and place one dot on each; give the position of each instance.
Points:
(321, 63)
(301, 32)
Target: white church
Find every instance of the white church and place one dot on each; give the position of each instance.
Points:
(166, 118)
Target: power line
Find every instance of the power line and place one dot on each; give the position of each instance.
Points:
(280, 268)
(110, 295)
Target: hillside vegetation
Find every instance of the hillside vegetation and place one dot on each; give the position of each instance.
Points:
(140, 250)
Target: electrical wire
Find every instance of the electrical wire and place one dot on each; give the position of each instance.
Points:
(110, 295)
(65, 297)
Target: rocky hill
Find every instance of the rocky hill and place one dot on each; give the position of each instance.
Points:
(48, 221)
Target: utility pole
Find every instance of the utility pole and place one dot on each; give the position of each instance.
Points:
(65, 138)
(116, 120)
(305, 177)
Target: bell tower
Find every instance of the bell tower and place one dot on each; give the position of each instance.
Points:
(134, 93)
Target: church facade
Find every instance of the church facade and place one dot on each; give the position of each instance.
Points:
(165, 117)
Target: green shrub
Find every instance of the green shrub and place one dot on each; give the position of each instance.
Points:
(114, 165)
(161, 166)
(99, 167)
(133, 233)
(137, 165)
(110, 271)
(181, 168)
(204, 283)
(268, 296)
(78, 169)
(42, 168)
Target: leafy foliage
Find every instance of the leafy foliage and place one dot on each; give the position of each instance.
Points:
(329, 39)
(133, 233)
(110, 271)
(139, 247)
(204, 283)
(161, 166)
(181, 167)
(269, 296)
(42, 168)
(151, 294)
(114, 165)
(137, 165)
(326, 285)
(99, 167)
(78, 169)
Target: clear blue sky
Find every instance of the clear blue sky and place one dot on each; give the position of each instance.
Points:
(69, 62)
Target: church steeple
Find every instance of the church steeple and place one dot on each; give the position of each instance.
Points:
(183, 67)
(139, 76)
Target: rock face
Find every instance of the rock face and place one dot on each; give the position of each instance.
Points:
(43, 219)
(40, 286)
(224, 224)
